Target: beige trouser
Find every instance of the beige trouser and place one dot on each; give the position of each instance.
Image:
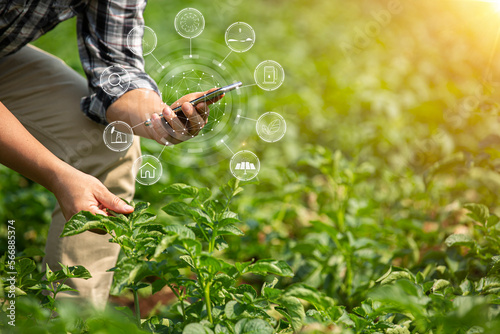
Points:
(44, 94)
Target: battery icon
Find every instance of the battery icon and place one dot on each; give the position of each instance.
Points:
(269, 75)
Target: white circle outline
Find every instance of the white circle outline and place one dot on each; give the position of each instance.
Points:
(109, 144)
(281, 119)
(142, 53)
(137, 171)
(177, 19)
(253, 40)
(239, 178)
(124, 88)
(257, 81)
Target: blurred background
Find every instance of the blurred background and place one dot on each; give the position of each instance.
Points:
(392, 124)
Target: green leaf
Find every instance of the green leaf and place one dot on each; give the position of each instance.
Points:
(188, 260)
(396, 275)
(165, 242)
(440, 284)
(177, 209)
(264, 267)
(459, 240)
(182, 231)
(253, 326)
(181, 191)
(78, 272)
(311, 295)
(294, 309)
(478, 212)
(230, 229)
(64, 287)
(196, 328)
(233, 309)
(81, 222)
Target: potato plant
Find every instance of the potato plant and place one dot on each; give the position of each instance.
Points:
(186, 259)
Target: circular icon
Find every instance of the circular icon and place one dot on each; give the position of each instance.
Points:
(118, 136)
(147, 169)
(269, 75)
(189, 23)
(244, 165)
(271, 127)
(141, 45)
(115, 80)
(240, 37)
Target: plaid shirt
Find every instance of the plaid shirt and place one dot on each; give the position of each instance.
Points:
(102, 28)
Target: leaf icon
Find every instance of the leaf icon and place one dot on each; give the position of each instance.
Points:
(265, 129)
(274, 126)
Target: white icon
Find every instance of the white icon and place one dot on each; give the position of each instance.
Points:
(269, 75)
(271, 127)
(148, 40)
(240, 37)
(244, 165)
(147, 171)
(189, 23)
(118, 136)
(114, 80)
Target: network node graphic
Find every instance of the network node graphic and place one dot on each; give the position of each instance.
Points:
(271, 127)
(118, 136)
(192, 78)
(147, 169)
(148, 40)
(240, 37)
(244, 165)
(189, 23)
(269, 75)
(115, 80)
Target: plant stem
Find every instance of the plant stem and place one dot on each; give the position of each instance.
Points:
(208, 302)
(137, 308)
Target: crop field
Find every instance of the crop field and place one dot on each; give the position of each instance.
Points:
(376, 212)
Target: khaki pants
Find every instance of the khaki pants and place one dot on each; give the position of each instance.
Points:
(44, 94)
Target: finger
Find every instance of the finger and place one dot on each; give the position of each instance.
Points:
(196, 122)
(113, 202)
(203, 110)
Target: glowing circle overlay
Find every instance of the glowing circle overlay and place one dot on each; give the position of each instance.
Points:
(147, 169)
(118, 136)
(240, 37)
(271, 127)
(269, 75)
(189, 23)
(149, 40)
(244, 165)
(191, 78)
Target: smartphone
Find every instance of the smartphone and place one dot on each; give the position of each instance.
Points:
(207, 97)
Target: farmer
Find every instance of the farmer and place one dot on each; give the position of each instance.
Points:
(52, 121)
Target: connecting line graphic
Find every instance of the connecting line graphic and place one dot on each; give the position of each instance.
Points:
(223, 60)
(222, 141)
(252, 119)
(163, 67)
(159, 155)
(248, 86)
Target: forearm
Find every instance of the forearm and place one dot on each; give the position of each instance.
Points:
(21, 152)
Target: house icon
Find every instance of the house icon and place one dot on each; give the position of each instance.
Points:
(147, 171)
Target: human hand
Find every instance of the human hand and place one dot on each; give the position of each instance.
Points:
(172, 129)
(76, 191)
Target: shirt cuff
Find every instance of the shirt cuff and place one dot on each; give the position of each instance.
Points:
(96, 104)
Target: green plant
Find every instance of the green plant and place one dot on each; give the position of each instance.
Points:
(209, 294)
